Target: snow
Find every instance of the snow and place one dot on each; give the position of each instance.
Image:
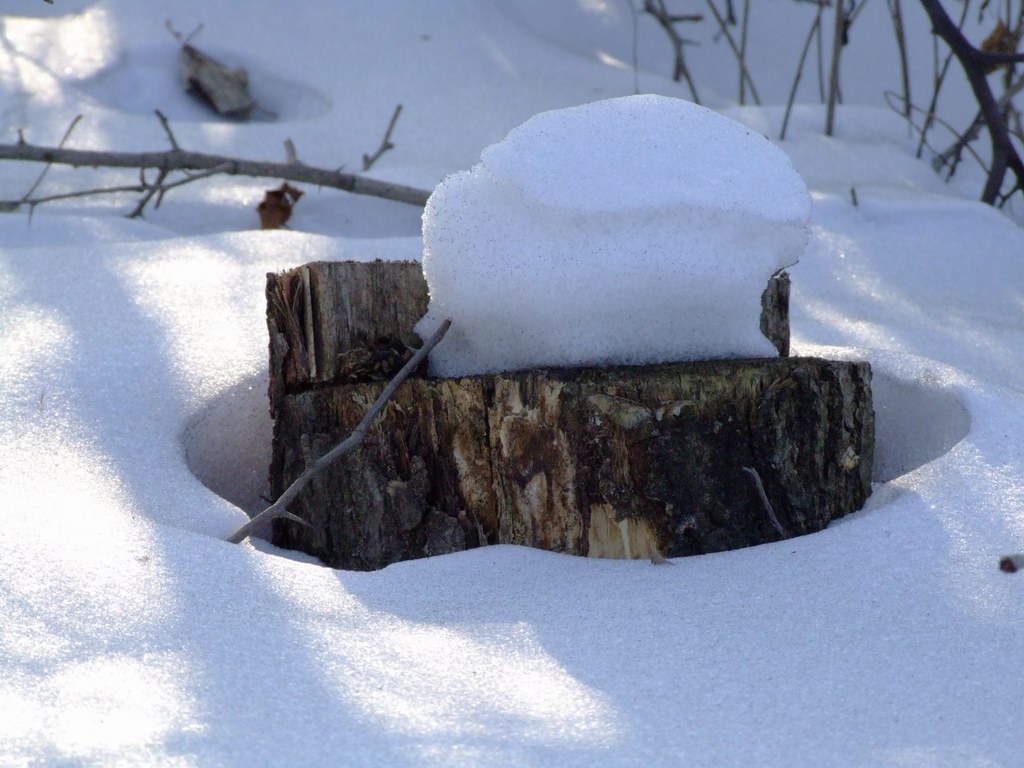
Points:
(132, 364)
(633, 230)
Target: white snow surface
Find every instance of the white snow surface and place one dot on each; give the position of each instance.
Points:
(132, 363)
(634, 230)
(647, 153)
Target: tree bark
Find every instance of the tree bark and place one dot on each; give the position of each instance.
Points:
(616, 462)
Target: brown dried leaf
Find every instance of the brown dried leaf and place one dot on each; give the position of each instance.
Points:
(276, 207)
(1001, 40)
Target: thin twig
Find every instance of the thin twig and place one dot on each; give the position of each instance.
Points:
(151, 190)
(183, 39)
(820, 55)
(890, 95)
(32, 202)
(938, 78)
(635, 16)
(385, 144)
(744, 25)
(157, 188)
(744, 73)
(767, 504)
(800, 70)
(277, 509)
(896, 12)
(46, 169)
(975, 63)
(657, 9)
(833, 78)
(167, 129)
(950, 157)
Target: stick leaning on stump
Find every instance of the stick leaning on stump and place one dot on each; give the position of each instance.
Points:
(279, 508)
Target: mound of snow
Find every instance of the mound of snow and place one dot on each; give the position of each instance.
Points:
(633, 230)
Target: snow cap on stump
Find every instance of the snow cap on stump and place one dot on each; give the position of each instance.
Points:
(634, 230)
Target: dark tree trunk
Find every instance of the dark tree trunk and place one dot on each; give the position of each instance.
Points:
(614, 462)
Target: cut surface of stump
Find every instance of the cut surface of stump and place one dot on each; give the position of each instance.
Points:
(621, 462)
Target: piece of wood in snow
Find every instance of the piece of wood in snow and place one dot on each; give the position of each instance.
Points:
(223, 88)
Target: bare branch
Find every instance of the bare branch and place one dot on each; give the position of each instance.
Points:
(278, 508)
(800, 70)
(182, 160)
(743, 49)
(950, 157)
(657, 9)
(167, 129)
(767, 504)
(896, 12)
(63, 141)
(962, 140)
(158, 188)
(150, 191)
(385, 144)
(974, 61)
(744, 73)
(833, 79)
(938, 79)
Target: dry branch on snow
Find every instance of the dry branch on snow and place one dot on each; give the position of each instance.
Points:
(194, 166)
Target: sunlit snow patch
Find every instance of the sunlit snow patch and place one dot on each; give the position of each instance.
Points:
(632, 230)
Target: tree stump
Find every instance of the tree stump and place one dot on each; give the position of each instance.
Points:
(612, 462)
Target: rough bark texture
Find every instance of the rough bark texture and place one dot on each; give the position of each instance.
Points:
(616, 462)
(775, 312)
(340, 322)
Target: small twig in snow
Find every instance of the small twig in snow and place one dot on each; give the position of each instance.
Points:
(46, 169)
(167, 128)
(385, 144)
(183, 39)
(182, 160)
(767, 504)
(278, 508)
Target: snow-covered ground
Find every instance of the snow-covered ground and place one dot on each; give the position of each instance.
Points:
(130, 350)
